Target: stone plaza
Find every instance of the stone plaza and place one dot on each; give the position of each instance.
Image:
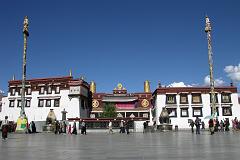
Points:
(181, 145)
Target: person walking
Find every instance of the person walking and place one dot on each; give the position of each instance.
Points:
(5, 124)
(57, 127)
(203, 125)
(33, 126)
(145, 125)
(74, 128)
(127, 127)
(211, 126)
(197, 124)
(69, 129)
(83, 128)
(227, 124)
(110, 130)
(192, 125)
(122, 130)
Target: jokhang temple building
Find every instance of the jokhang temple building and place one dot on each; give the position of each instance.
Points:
(128, 105)
(78, 99)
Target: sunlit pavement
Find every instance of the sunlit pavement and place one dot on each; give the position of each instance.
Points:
(136, 146)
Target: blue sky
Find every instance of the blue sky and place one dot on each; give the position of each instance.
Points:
(127, 41)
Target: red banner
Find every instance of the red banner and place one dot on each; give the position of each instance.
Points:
(125, 105)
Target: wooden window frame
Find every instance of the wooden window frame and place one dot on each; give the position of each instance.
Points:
(216, 97)
(48, 100)
(195, 94)
(49, 92)
(19, 103)
(181, 109)
(57, 92)
(195, 108)
(175, 116)
(40, 90)
(217, 109)
(27, 91)
(28, 100)
(55, 102)
(10, 103)
(11, 92)
(224, 114)
(229, 97)
(183, 95)
(39, 102)
(174, 99)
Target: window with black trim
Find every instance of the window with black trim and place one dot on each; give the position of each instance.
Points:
(227, 111)
(49, 90)
(40, 103)
(226, 98)
(29, 91)
(56, 102)
(48, 103)
(183, 98)
(217, 110)
(11, 103)
(170, 99)
(57, 90)
(172, 112)
(19, 103)
(12, 91)
(196, 98)
(41, 90)
(20, 91)
(28, 103)
(216, 98)
(197, 111)
(184, 112)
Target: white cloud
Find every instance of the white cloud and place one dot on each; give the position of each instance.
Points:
(178, 84)
(217, 81)
(1, 92)
(233, 72)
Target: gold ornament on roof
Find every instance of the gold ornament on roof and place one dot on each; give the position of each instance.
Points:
(119, 86)
(93, 87)
(147, 86)
(145, 103)
(95, 103)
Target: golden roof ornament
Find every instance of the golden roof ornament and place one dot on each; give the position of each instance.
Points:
(147, 86)
(119, 86)
(93, 87)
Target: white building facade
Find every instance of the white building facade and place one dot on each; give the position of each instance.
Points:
(42, 95)
(187, 103)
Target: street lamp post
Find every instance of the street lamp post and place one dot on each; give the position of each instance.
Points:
(210, 61)
(22, 120)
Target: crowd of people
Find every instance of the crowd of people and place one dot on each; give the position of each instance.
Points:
(214, 125)
(123, 127)
(62, 127)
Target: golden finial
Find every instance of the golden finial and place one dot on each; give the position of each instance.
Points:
(13, 78)
(147, 86)
(93, 87)
(119, 86)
